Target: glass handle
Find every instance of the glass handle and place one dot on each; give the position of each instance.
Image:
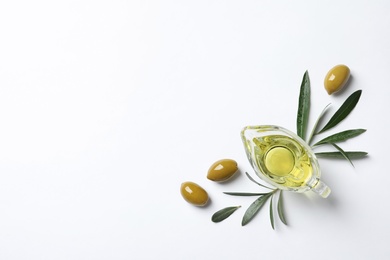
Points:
(321, 189)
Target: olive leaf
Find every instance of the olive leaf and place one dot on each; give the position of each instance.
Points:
(254, 208)
(271, 214)
(341, 136)
(346, 108)
(350, 154)
(280, 208)
(223, 214)
(343, 153)
(303, 106)
(244, 194)
(316, 124)
(253, 180)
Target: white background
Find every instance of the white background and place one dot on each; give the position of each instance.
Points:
(106, 107)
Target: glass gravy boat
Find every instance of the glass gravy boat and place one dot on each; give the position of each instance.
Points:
(283, 159)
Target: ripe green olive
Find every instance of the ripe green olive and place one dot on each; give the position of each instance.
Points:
(194, 194)
(222, 170)
(336, 78)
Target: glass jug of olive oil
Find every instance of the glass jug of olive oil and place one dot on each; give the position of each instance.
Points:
(283, 159)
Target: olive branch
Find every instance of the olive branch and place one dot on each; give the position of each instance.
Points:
(302, 122)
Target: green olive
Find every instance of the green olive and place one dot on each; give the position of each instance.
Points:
(193, 193)
(222, 170)
(336, 78)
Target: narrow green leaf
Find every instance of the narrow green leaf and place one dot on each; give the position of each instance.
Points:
(271, 214)
(253, 180)
(281, 208)
(244, 194)
(346, 108)
(223, 214)
(343, 153)
(351, 154)
(316, 124)
(254, 208)
(303, 106)
(341, 136)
